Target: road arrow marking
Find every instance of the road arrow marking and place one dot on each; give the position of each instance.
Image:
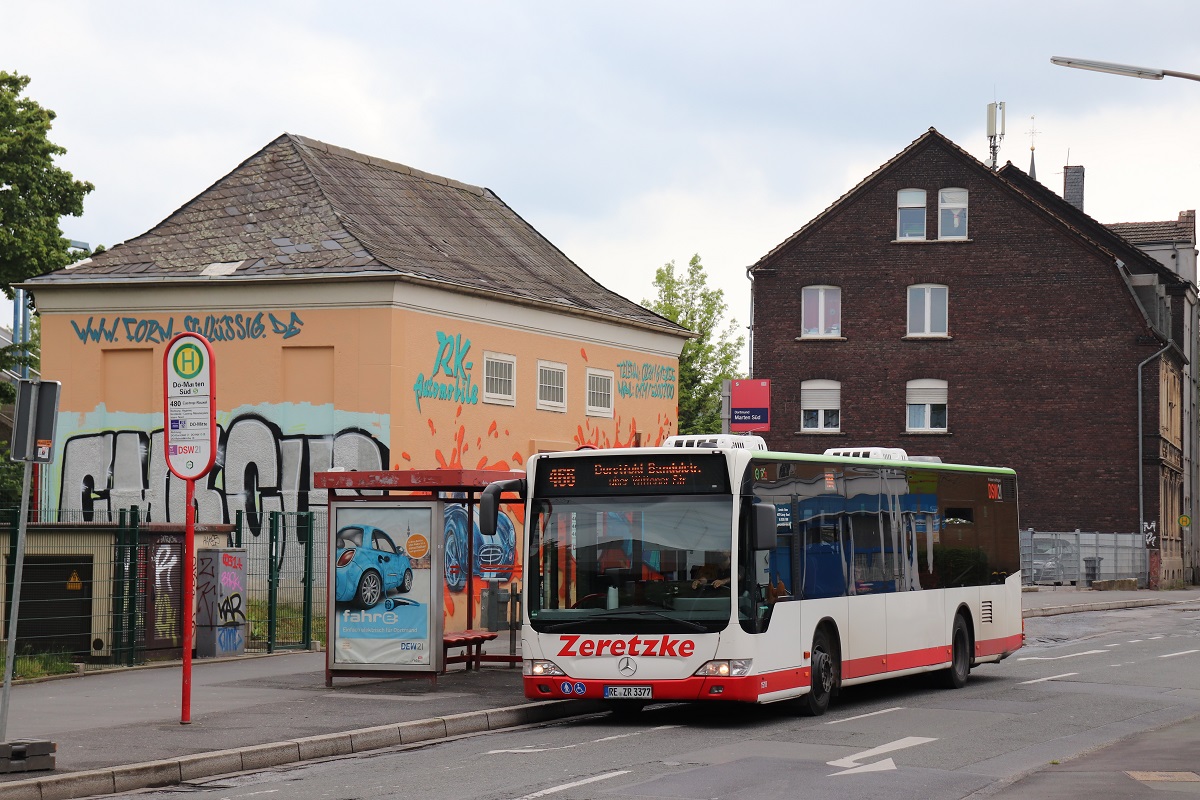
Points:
(878, 766)
(850, 763)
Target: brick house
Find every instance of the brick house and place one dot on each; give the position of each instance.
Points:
(974, 315)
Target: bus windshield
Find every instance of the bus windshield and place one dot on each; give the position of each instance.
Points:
(630, 564)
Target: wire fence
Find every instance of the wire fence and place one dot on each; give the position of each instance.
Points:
(100, 591)
(1079, 558)
(286, 578)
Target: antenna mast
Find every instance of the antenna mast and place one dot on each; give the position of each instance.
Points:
(994, 138)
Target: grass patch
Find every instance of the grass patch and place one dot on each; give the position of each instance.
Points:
(289, 623)
(29, 664)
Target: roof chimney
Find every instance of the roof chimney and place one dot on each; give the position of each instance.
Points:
(1073, 186)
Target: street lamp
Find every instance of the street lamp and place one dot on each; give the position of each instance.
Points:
(1149, 73)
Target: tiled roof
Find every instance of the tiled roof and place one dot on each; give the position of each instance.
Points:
(1176, 230)
(302, 208)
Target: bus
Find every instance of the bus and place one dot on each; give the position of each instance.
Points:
(710, 568)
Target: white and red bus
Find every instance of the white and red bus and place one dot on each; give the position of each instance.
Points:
(713, 569)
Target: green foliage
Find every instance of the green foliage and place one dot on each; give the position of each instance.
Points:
(34, 193)
(710, 358)
(12, 476)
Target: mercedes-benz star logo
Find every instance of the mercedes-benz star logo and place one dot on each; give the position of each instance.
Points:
(626, 666)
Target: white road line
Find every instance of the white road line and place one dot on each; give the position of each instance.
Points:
(1051, 678)
(861, 716)
(1059, 658)
(1134, 641)
(636, 733)
(573, 784)
(1153, 637)
(1118, 644)
(1184, 653)
(532, 749)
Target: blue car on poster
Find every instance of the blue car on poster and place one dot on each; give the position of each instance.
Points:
(369, 566)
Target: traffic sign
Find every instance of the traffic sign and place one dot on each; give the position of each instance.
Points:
(189, 410)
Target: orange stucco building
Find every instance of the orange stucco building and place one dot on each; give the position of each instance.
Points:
(363, 315)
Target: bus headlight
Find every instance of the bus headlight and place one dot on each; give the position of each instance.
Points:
(726, 668)
(537, 668)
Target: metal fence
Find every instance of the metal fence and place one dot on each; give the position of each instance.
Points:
(1078, 558)
(286, 575)
(100, 591)
(93, 594)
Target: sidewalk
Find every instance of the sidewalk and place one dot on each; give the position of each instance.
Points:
(119, 731)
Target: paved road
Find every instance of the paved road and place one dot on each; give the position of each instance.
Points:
(1117, 680)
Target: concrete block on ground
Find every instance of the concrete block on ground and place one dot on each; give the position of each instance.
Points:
(1115, 585)
(375, 738)
(270, 755)
(422, 730)
(78, 784)
(205, 765)
(330, 744)
(470, 722)
(151, 773)
(33, 747)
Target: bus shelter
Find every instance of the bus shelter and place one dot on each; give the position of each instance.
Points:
(399, 543)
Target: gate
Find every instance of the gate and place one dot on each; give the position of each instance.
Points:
(285, 579)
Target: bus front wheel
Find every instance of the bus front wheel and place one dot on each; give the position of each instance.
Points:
(825, 669)
(960, 656)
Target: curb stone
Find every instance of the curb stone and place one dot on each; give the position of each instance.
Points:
(169, 772)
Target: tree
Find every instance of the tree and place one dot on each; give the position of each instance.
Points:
(34, 195)
(710, 358)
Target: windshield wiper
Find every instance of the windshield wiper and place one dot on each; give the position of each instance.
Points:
(620, 614)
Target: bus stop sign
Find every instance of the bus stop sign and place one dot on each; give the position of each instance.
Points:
(190, 422)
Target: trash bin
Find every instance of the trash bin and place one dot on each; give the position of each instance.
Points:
(1091, 569)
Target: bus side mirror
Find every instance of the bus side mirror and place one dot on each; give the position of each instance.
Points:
(489, 503)
(765, 526)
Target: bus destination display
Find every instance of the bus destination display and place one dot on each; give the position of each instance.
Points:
(632, 474)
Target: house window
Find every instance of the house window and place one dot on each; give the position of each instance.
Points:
(821, 313)
(599, 393)
(952, 214)
(926, 400)
(910, 214)
(552, 386)
(927, 310)
(820, 406)
(499, 379)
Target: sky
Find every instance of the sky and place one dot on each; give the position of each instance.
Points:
(629, 134)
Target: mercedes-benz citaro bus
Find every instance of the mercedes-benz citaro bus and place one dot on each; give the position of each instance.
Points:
(712, 569)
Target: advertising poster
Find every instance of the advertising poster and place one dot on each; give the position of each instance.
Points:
(385, 607)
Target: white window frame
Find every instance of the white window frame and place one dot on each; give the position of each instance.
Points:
(911, 202)
(543, 403)
(499, 398)
(599, 374)
(945, 204)
(928, 292)
(923, 396)
(823, 397)
(823, 295)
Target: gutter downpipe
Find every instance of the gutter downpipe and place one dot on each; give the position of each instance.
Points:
(1141, 455)
(750, 327)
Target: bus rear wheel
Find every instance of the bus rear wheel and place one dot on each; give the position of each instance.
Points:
(960, 656)
(825, 670)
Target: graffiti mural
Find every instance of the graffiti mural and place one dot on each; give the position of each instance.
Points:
(451, 362)
(259, 469)
(214, 327)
